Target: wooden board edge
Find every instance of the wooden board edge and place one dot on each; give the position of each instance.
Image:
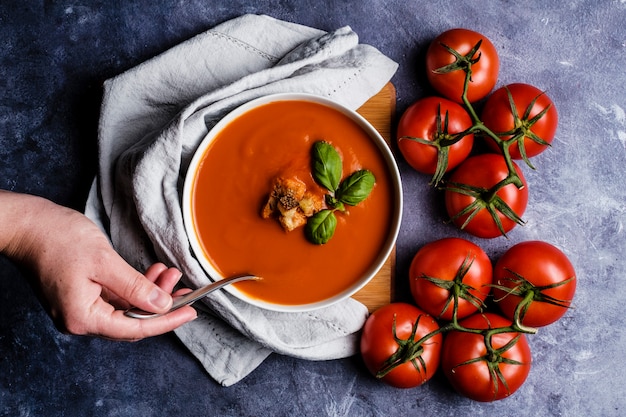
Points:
(379, 111)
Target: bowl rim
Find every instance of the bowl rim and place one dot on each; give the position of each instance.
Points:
(374, 135)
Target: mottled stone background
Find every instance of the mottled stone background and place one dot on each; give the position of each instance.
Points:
(54, 56)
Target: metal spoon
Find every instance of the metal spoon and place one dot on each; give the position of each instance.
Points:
(189, 298)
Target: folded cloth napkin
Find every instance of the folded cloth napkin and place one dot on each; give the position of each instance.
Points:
(154, 116)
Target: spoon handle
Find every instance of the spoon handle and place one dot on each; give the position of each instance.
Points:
(189, 298)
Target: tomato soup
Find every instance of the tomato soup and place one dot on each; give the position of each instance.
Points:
(231, 186)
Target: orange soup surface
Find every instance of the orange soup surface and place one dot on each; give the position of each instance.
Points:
(235, 178)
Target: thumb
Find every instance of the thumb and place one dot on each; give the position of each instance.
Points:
(137, 290)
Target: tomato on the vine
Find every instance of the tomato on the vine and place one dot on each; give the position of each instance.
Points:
(451, 52)
(389, 349)
(528, 117)
(446, 269)
(430, 135)
(540, 273)
(485, 373)
(473, 206)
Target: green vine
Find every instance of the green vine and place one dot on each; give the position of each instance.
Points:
(457, 288)
(530, 293)
(484, 198)
(410, 350)
(442, 140)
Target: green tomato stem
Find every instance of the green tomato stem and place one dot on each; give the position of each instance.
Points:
(515, 136)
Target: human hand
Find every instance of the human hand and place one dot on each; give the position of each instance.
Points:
(84, 283)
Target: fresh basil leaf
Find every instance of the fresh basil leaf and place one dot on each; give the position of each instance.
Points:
(356, 187)
(326, 165)
(320, 227)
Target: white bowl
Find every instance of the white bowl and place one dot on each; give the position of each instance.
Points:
(376, 263)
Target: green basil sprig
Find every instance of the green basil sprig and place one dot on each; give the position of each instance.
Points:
(327, 169)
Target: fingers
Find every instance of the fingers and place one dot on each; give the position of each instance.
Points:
(164, 277)
(153, 271)
(137, 289)
(113, 324)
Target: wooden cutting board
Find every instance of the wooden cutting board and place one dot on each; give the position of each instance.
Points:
(379, 111)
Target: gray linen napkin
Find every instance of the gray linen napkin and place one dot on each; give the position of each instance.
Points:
(152, 119)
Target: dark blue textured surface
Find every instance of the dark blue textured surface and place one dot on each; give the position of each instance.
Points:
(54, 56)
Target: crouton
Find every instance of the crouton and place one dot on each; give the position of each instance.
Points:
(292, 219)
(311, 204)
(291, 203)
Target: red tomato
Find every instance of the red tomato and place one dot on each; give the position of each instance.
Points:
(484, 171)
(481, 375)
(485, 64)
(439, 264)
(389, 334)
(542, 273)
(426, 120)
(538, 129)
